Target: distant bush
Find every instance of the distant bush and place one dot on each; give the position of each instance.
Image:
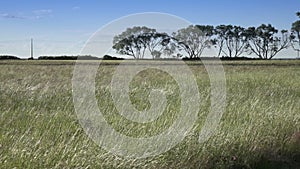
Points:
(88, 57)
(187, 58)
(221, 58)
(7, 57)
(68, 58)
(57, 58)
(239, 58)
(107, 57)
(199, 58)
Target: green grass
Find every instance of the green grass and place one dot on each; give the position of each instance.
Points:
(39, 126)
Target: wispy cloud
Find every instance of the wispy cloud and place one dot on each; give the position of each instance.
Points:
(42, 11)
(36, 14)
(11, 16)
(75, 8)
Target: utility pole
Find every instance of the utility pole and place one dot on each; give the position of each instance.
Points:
(31, 50)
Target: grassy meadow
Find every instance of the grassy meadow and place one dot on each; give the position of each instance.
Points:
(259, 129)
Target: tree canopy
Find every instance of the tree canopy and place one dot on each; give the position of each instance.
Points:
(137, 40)
(132, 42)
(264, 42)
(231, 41)
(295, 35)
(194, 39)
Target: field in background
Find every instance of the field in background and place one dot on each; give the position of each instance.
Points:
(260, 128)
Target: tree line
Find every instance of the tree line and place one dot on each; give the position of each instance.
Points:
(265, 41)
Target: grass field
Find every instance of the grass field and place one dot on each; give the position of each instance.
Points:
(259, 129)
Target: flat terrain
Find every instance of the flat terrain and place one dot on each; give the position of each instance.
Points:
(259, 129)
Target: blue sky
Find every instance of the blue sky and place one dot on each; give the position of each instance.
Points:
(63, 26)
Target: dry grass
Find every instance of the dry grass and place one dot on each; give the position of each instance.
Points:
(260, 128)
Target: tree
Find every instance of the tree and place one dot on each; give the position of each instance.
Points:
(295, 35)
(194, 39)
(230, 40)
(157, 43)
(135, 41)
(132, 42)
(263, 42)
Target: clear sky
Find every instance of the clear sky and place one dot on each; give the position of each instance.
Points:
(63, 26)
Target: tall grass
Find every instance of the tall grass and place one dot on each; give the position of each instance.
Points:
(39, 127)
